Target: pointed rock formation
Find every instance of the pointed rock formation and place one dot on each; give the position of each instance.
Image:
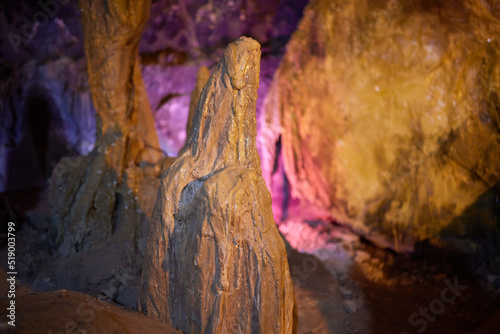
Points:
(215, 261)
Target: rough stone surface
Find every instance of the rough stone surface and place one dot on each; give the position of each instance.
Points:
(215, 261)
(388, 113)
(95, 196)
(201, 80)
(46, 110)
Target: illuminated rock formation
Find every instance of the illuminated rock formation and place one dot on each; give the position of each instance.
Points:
(201, 80)
(99, 195)
(389, 112)
(215, 261)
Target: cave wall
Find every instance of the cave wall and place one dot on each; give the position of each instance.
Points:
(388, 113)
(42, 68)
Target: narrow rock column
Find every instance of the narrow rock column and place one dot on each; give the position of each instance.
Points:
(215, 261)
(112, 30)
(95, 196)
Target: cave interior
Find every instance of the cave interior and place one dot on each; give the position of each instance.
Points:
(157, 156)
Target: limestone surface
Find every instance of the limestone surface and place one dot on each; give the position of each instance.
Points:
(99, 195)
(215, 262)
(388, 113)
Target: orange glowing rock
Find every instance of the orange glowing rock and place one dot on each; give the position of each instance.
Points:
(389, 114)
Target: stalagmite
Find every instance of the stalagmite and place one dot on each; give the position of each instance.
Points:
(215, 262)
(99, 195)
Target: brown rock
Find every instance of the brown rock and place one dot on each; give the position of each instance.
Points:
(96, 196)
(215, 261)
(201, 80)
(390, 112)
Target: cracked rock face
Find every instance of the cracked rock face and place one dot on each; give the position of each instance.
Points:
(215, 261)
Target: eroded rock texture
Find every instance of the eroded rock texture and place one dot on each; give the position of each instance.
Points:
(99, 195)
(201, 80)
(215, 261)
(389, 114)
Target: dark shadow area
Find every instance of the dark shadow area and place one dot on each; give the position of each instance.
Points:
(422, 294)
(470, 244)
(357, 287)
(39, 118)
(480, 224)
(30, 163)
(31, 160)
(468, 250)
(15, 205)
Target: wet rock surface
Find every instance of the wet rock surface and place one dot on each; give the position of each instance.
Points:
(214, 259)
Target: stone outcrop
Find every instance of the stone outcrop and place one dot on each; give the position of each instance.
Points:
(215, 261)
(96, 196)
(389, 113)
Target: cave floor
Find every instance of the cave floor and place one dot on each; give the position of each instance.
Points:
(349, 286)
(343, 284)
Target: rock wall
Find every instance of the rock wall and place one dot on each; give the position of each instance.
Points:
(215, 261)
(199, 27)
(388, 113)
(46, 110)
